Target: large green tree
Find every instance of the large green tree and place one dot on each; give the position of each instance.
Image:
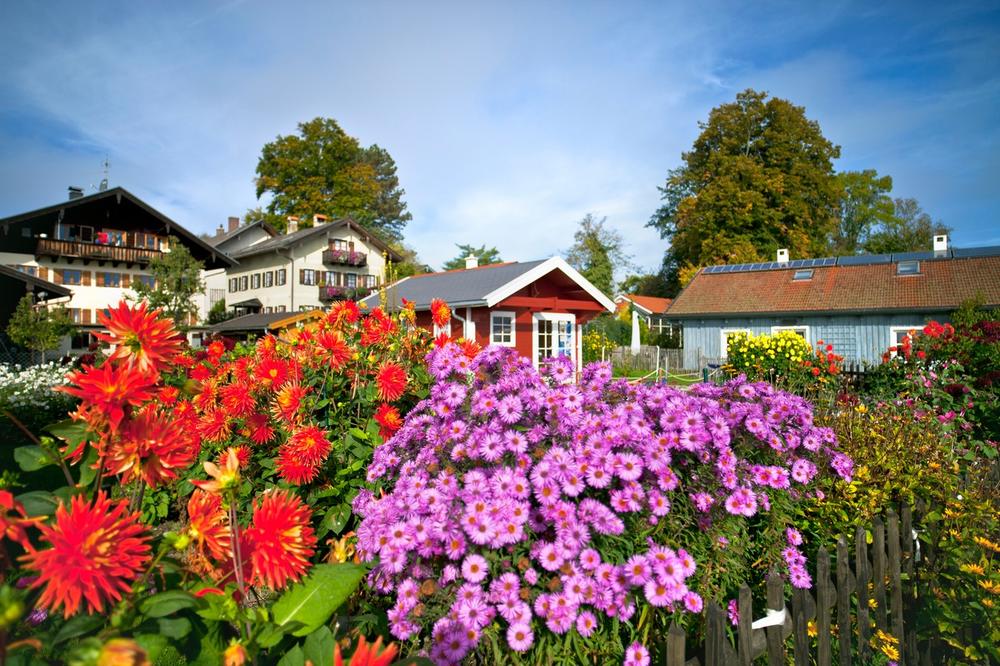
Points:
(485, 255)
(176, 281)
(322, 170)
(865, 206)
(909, 229)
(597, 252)
(759, 177)
(39, 328)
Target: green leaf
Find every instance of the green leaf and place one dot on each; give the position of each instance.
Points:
(167, 603)
(78, 625)
(293, 657)
(38, 503)
(268, 635)
(314, 600)
(335, 519)
(88, 468)
(358, 433)
(177, 627)
(153, 644)
(318, 647)
(70, 431)
(31, 458)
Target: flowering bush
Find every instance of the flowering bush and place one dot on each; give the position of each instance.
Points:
(248, 448)
(514, 507)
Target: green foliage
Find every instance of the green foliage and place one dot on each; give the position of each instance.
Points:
(38, 328)
(908, 229)
(482, 253)
(323, 170)
(758, 177)
(218, 313)
(177, 278)
(596, 252)
(308, 605)
(865, 206)
(971, 312)
(647, 284)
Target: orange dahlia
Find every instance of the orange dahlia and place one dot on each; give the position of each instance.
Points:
(440, 313)
(146, 339)
(377, 327)
(288, 401)
(271, 372)
(335, 349)
(151, 446)
(259, 429)
(281, 539)
(97, 551)
(14, 520)
(366, 654)
(300, 458)
(391, 381)
(388, 419)
(208, 524)
(237, 399)
(107, 390)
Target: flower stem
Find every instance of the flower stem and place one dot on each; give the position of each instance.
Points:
(62, 463)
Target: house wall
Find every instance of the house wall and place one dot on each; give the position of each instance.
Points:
(859, 338)
(294, 296)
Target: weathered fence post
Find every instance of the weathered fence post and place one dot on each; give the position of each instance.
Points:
(843, 602)
(675, 645)
(776, 602)
(745, 635)
(715, 636)
(862, 572)
(800, 622)
(878, 572)
(897, 585)
(824, 606)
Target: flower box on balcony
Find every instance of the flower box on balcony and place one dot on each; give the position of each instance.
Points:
(345, 257)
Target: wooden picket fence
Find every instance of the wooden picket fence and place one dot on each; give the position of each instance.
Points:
(840, 595)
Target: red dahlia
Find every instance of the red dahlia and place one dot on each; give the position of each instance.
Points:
(440, 313)
(281, 539)
(300, 458)
(208, 524)
(150, 446)
(391, 381)
(97, 551)
(335, 350)
(388, 419)
(146, 339)
(107, 390)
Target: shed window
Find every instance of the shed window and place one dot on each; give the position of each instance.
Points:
(502, 328)
(908, 268)
(805, 274)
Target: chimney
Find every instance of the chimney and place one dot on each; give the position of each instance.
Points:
(219, 231)
(941, 243)
(471, 261)
(234, 223)
(782, 256)
(319, 219)
(293, 224)
(75, 192)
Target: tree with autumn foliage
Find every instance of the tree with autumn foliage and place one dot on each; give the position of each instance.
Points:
(321, 169)
(759, 177)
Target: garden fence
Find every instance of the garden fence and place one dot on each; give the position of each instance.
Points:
(851, 598)
(648, 358)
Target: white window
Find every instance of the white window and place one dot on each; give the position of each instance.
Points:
(908, 268)
(502, 328)
(804, 274)
(899, 333)
(801, 330)
(553, 335)
(279, 277)
(255, 281)
(724, 339)
(269, 279)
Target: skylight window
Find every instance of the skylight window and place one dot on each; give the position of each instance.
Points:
(804, 274)
(908, 268)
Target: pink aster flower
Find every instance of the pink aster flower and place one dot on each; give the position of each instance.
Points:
(636, 655)
(475, 568)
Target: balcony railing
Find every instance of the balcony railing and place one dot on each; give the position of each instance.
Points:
(345, 257)
(51, 247)
(330, 294)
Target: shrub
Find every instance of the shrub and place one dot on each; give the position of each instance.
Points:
(510, 494)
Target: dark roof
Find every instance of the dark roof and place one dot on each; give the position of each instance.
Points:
(283, 241)
(854, 286)
(36, 284)
(260, 321)
(250, 302)
(199, 248)
(216, 241)
(458, 287)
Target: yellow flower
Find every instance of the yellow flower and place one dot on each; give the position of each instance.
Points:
(986, 543)
(990, 586)
(812, 628)
(891, 653)
(973, 569)
(986, 601)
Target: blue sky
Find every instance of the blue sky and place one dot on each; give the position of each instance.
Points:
(508, 121)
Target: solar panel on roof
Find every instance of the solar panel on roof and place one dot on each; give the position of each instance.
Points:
(864, 260)
(912, 256)
(990, 251)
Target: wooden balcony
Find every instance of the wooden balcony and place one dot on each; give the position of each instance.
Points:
(330, 294)
(344, 257)
(87, 252)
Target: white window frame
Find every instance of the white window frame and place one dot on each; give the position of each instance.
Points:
(513, 327)
(554, 317)
(438, 330)
(915, 329)
(805, 329)
(723, 345)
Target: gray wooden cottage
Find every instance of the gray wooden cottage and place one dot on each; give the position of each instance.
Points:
(861, 305)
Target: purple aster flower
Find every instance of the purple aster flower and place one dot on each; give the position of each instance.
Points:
(520, 637)
(636, 655)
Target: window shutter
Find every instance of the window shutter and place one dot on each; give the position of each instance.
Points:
(43, 273)
(57, 275)
(302, 276)
(126, 280)
(100, 279)
(85, 316)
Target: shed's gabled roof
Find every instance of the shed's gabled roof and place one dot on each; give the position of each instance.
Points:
(216, 241)
(35, 284)
(845, 285)
(653, 305)
(484, 285)
(283, 241)
(200, 249)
